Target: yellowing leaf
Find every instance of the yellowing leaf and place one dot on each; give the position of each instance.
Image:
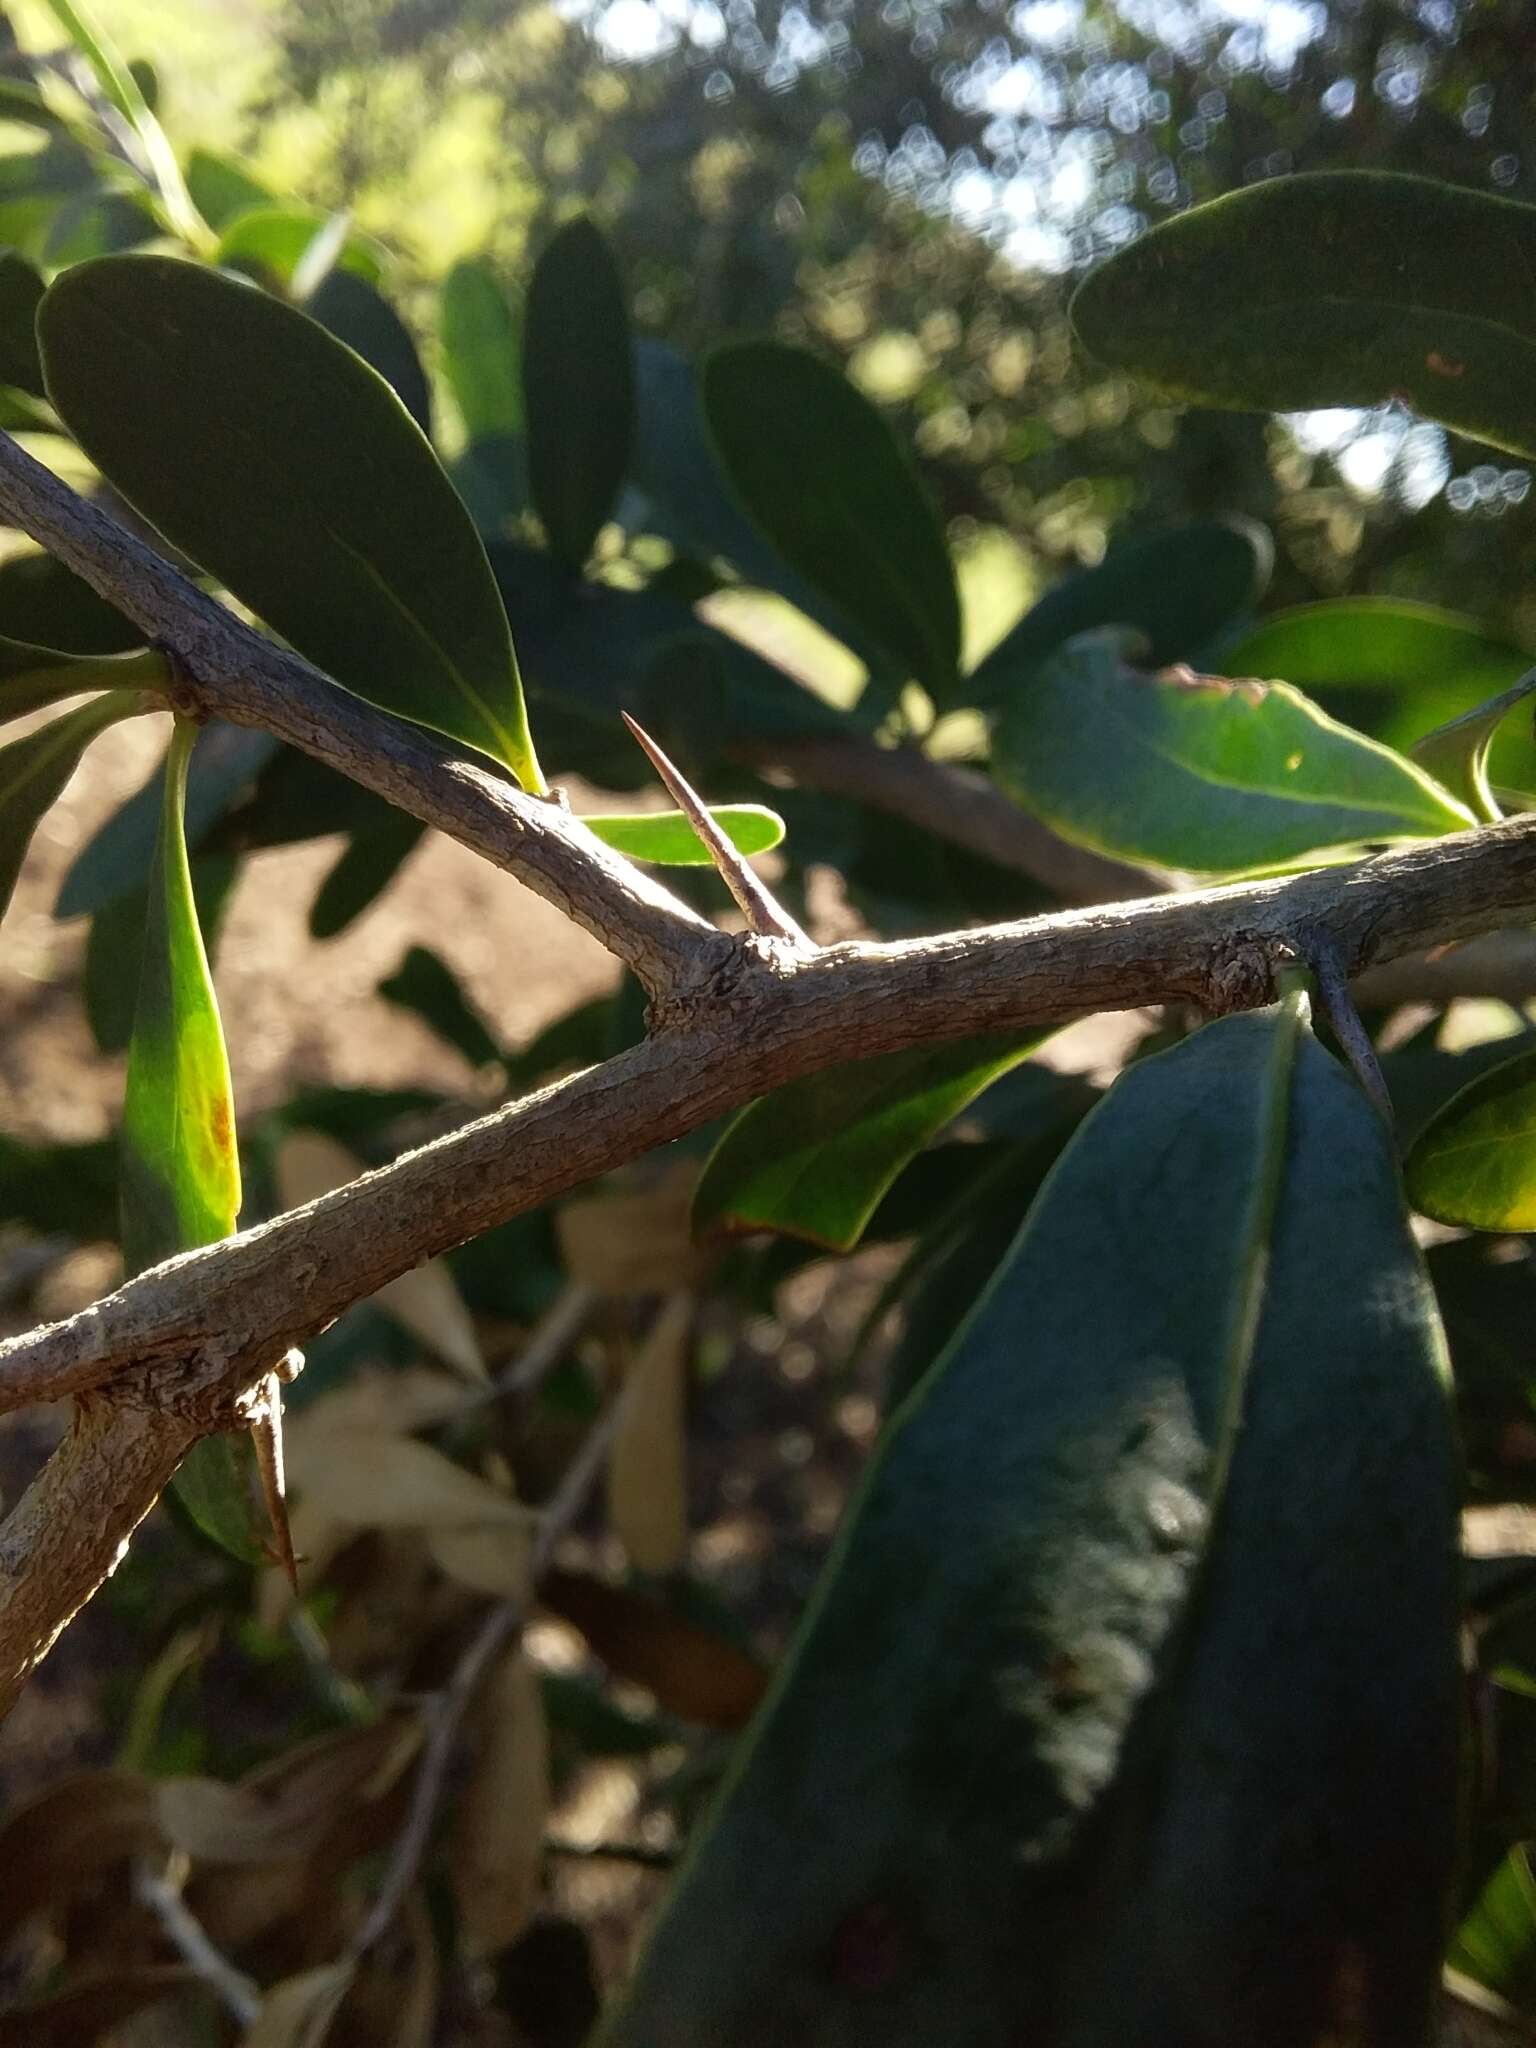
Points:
(648, 1465)
(425, 1301)
(496, 1852)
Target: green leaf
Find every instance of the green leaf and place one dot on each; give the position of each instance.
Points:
(1475, 1163)
(578, 388)
(667, 838)
(222, 188)
(822, 474)
(34, 770)
(31, 677)
(349, 307)
(1456, 753)
(122, 88)
(1332, 288)
(181, 1175)
(118, 857)
(373, 856)
(1495, 1946)
(481, 351)
(114, 951)
(425, 986)
(1179, 589)
(21, 290)
(1201, 772)
(271, 241)
(1141, 1634)
(275, 457)
(43, 604)
(179, 1172)
(814, 1159)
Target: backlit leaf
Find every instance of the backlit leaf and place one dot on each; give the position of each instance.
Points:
(1394, 669)
(1202, 772)
(1495, 1946)
(814, 1159)
(275, 457)
(1154, 1580)
(272, 240)
(1179, 590)
(1332, 288)
(1475, 1163)
(578, 388)
(31, 677)
(667, 838)
(1456, 753)
(822, 474)
(222, 188)
(481, 351)
(34, 770)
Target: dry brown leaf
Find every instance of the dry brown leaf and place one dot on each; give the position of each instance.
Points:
(634, 1243)
(376, 1480)
(402, 1399)
(61, 1841)
(426, 1301)
(692, 1671)
(81, 2011)
(286, 1808)
(297, 2013)
(492, 1560)
(648, 1464)
(498, 1835)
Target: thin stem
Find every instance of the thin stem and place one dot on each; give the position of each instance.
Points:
(239, 1994)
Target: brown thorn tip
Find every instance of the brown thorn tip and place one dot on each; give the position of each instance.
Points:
(763, 913)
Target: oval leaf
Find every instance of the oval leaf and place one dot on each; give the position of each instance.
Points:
(648, 1464)
(481, 351)
(1495, 1946)
(34, 770)
(275, 457)
(1202, 772)
(272, 240)
(1475, 1163)
(1332, 288)
(578, 388)
(21, 291)
(496, 1855)
(1456, 753)
(1154, 1580)
(1179, 590)
(824, 477)
(667, 838)
(813, 1160)
(349, 307)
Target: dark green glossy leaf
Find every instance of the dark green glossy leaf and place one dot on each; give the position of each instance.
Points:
(21, 291)
(271, 241)
(1180, 590)
(1332, 288)
(481, 351)
(1394, 669)
(273, 456)
(117, 859)
(578, 388)
(222, 188)
(814, 1159)
(1201, 772)
(823, 476)
(1495, 1946)
(667, 838)
(114, 951)
(366, 867)
(1475, 1163)
(1141, 1637)
(180, 1173)
(1456, 753)
(350, 308)
(34, 770)
(425, 986)
(43, 604)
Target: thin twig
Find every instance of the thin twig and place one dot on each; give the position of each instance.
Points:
(160, 1891)
(755, 900)
(447, 1711)
(548, 1342)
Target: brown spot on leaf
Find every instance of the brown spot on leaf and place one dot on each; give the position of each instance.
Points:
(219, 1131)
(1444, 366)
